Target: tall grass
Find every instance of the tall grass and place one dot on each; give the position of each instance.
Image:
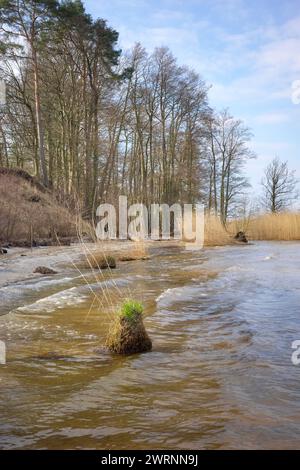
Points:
(215, 233)
(282, 226)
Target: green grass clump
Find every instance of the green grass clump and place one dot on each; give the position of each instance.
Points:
(131, 309)
(127, 334)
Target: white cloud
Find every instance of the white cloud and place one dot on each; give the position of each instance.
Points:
(158, 36)
(272, 118)
(258, 65)
(281, 56)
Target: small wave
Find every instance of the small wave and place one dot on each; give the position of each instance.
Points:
(49, 282)
(15, 290)
(66, 298)
(164, 295)
(268, 258)
(177, 294)
(235, 268)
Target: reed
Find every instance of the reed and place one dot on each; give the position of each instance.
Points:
(100, 260)
(283, 226)
(215, 234)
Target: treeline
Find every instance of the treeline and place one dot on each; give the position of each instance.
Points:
(94, 123)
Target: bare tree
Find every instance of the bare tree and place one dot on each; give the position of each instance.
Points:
(227, 153)
(280, 186)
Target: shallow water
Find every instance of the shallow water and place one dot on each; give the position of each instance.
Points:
(219, 376)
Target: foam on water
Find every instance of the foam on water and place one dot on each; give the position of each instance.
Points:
(66, 298)
(178, 294)
(19, 289)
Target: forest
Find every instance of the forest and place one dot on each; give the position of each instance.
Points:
(149, 228)
(93, 122)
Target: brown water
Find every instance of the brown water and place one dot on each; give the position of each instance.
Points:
(220, 374)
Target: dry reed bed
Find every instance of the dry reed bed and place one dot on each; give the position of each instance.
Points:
(282, 227)
(215, 233)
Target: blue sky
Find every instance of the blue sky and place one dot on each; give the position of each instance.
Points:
(248, 51)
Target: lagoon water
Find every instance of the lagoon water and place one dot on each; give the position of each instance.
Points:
(220, 375)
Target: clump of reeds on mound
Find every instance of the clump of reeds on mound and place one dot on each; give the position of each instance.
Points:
(98, 260)
(134, 252)
(128, 335)
(107, 262)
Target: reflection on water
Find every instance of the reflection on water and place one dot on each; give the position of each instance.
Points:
(220, 374)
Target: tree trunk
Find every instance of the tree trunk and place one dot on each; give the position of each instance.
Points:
(39, 125)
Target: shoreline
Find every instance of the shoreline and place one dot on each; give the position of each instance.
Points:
(19, 263)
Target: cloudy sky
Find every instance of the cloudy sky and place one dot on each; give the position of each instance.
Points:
(248, 51)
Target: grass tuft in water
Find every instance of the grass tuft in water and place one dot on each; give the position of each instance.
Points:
(127, 334)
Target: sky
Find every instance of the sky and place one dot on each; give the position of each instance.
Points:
(247, 51)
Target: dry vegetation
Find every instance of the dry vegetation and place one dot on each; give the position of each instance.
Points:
(215, 233)
(282, 226)
(29, 212)
(137, 251)
(103, 257)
